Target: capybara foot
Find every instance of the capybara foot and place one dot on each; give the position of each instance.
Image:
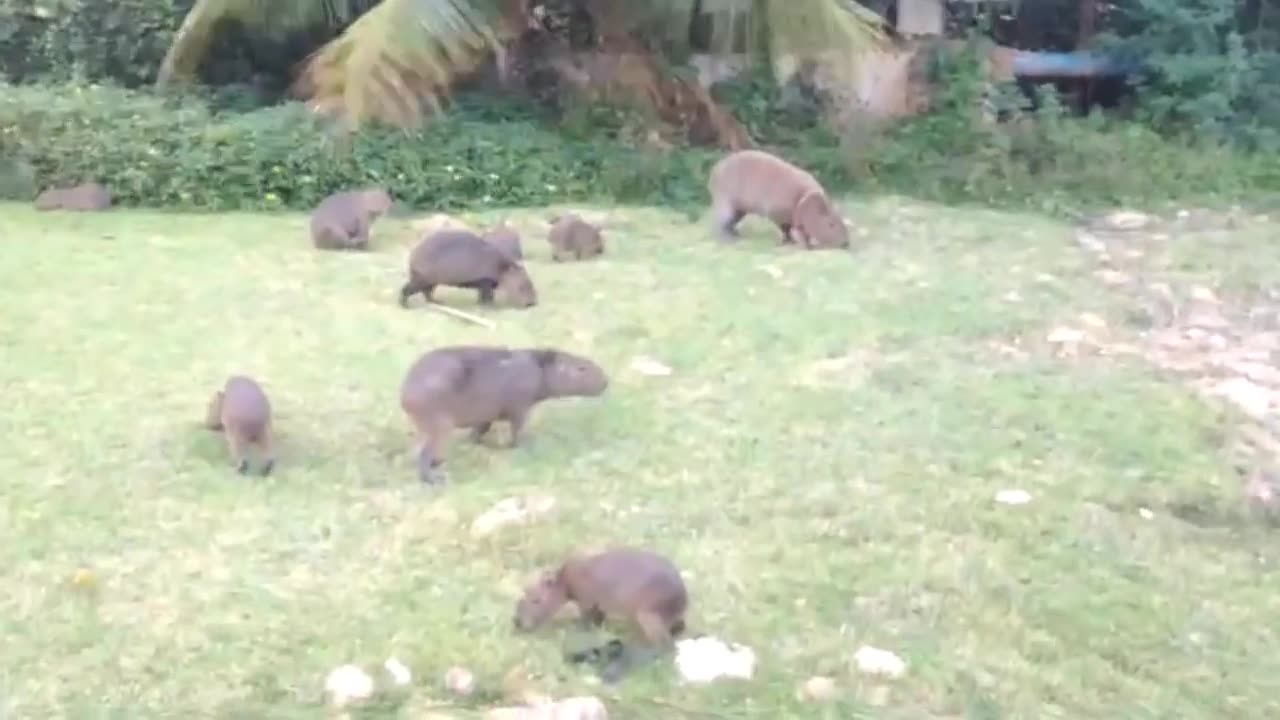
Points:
(268, 466)
(242, 467)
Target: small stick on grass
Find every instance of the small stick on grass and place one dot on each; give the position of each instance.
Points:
(462, 315)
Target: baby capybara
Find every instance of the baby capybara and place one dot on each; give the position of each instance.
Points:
(507, 239)
(470, 386)
(635, 586)
(572, 237)
(460, 258)
(86, 197)
(243, 414)
(342, 220)
(754, 182)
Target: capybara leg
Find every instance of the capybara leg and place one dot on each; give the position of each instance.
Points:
(429, 471)
(516, 421)
(622, 659)
(727, 218)
(478, 432)
(592, 617)
(267, 447)
(656, 630)
(486, 292)
(360, 241)
(787, 237)
(236, 446)
(407, 292)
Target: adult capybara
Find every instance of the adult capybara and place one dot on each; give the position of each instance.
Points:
(473, 386)
(460, 258)
(754, 182)
(86, 197)
(507, 239)
(342, 220)
(635, 586)
(572, 237)
(243, 414)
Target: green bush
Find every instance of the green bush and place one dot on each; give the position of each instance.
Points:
(1048, 160)
(176, 152)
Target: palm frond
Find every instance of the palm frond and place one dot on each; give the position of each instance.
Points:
(193, 38)
(403, 55)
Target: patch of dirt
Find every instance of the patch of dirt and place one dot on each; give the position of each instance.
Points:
(1227, 349)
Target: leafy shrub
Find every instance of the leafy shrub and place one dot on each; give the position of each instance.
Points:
(123, 40)
(176, 152)
(1047, 159)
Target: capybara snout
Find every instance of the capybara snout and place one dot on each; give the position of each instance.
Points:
(539, 602)
(517, 287)
(819, 224)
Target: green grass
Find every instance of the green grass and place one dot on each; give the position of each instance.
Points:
(814, 506)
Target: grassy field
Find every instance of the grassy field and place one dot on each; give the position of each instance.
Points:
(822, 463)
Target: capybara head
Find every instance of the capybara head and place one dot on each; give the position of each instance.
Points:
(540, 601)
(565, 374)
(817, 218)
(376, 202)
(517, 287)
(213, 415)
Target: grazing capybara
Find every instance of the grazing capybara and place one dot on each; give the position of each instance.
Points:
(473, 386)
(507, 239)
(342, 220)
(572, 237)
(635, 586)
(243, 414)
(754, 182)
(461, 258)
(86, 197)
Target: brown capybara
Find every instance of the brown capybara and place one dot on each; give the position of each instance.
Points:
(461, 258)
(635, 586)
(86, 197)
(472, 386)
(572, 237)
(507, 239)
(342, 220)
(243, 414)
(754, 182)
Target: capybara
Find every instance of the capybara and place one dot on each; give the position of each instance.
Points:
(243, 414)
(507, 239)
(632, 585)
(572, 237)
(754, 182)
(86, 197)
(342, 220)
(472, 386)
(461, 258)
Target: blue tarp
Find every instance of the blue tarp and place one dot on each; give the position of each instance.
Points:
(1060, 64)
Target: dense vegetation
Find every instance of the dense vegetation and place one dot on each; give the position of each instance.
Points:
(1205, 124)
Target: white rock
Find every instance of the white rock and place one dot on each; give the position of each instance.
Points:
(1065, 336)
(512, 511)
(1203, 294)
(581, 708)
(1013, 497)
(649, 366)
(818, 689)
(400, 674)
(1092, 320)
(874, 661)
(348, 684)
(702, 660)
(1145, 513)
(1250, 397)
(1127, 220)
(459, 681)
